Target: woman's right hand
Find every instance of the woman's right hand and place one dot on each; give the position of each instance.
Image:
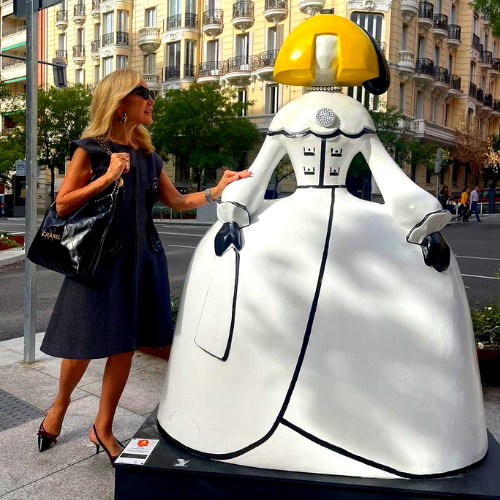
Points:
(119, 165)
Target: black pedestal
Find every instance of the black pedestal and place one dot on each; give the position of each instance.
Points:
(159, 479)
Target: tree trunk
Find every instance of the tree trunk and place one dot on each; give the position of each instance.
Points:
(52, 182)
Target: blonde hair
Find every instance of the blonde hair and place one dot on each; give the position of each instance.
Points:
(108, 96)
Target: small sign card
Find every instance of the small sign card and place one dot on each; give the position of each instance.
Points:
(137, 451)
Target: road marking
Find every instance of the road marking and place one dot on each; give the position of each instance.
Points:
(180, 246)
(478, 258)
(182, 234)
(483, 277)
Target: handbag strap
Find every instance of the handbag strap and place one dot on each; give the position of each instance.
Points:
(101, 141)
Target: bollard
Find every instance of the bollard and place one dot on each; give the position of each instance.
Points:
(481, 210)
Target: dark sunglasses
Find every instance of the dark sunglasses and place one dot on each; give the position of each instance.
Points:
(145, 93)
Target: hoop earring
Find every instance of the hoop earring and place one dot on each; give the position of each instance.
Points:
(123, 119)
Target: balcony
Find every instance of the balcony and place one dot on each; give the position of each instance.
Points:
(495, 67)
(480, 95)
(441, 78)
(263, 65)
(434, 132)
(406, 64)
(79, 54)
(79, 14)
(261, 122)
(237, 70)
(95, 50)
(210, 71)
(62, 19)
(496, 108)
(275, 11)
(62, 54)
(472, 90)
(171, 73)
(96, 9)
(425, 16)
(7, 8)
(108, 39)
(12, 70)
(13, 37)
(149, 40)
(486, 19)
(455, 87)
(486, 59)
(191, 20)
(476, 43)
(409, 10)
(174, 22)
(424, 71)
(121, 38)
(488, 101)
(453, 39)
(153, 82)
(311, 7)
(243, 17)
(440, 26)
(213, 22)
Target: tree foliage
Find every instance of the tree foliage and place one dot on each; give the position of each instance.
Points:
(471, 149)
(200, 127)
(490, 8)
(283, 170)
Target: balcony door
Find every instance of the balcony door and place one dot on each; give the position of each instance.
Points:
(212, 54)
(109, 28)
(150, 18)
(175, 8)
(174, 54)
(243, 48)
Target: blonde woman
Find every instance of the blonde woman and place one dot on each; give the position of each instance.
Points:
(127, 303)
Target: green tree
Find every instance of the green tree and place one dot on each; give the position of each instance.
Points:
(200, 127)
(490, 8)
(12, 148)
(283, 170)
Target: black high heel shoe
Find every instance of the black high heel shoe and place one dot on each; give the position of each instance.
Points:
(112, 458)
(46, 439)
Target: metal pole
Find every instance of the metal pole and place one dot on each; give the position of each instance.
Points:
(31, 170)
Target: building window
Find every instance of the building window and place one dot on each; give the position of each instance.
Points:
(190, 6)
(370, 22)
(62, 41)
(109, 29)
(80, 38)
(474, 24)
(123, 21)
(150, 18)
(421, 48)
(434, 110)
(454, 173)
(174, 54)
(404, 42)
(107, 63)
(79, 76)
(272, 38)
(175, 8)
(369, 101)
(243, 45)
(272, 96)
(402, 98)
(427, 175)
(472, 71)
(437, 55)
(212, 51)
(419, 105)
(189, 64)
(150, 64)
(97, 74)
(242, 97)
(121, 62)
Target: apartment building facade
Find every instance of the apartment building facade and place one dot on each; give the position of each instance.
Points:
(443, 59)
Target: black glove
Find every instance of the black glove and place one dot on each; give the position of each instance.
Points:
(229, 234)
(436, 252)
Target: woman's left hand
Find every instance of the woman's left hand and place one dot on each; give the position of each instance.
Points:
(228, 177)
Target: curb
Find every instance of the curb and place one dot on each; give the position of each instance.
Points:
(8, 257)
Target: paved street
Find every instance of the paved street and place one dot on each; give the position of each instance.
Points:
(477, 247)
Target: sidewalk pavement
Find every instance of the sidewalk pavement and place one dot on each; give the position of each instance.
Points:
(70, 470)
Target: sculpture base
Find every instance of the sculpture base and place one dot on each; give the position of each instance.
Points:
(160, 477)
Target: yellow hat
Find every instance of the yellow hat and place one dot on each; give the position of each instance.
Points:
(359, 57)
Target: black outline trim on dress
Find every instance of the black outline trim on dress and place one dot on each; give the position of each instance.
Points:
(242, 207)
(315, 186)
(331, 135)
(225, 356)
(421, 223)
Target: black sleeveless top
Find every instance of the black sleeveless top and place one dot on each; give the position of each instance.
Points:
(127, 303)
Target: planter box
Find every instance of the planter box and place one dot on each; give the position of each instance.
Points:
(17, 238)
(489, 366)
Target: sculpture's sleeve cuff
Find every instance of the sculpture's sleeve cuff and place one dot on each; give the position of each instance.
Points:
(431, 223)
(230, 211)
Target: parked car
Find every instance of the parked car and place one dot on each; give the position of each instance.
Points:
(484, 195)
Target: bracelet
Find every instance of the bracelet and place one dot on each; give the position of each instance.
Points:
(208, 196)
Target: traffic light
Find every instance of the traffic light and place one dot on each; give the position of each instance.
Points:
(60, 77)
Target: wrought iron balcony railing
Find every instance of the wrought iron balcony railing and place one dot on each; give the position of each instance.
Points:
(95, 45)
(239, 63)
(454, 31)
(14, 31)
(189, 70)
(62, 16)
(108, 39)
(78, 50)
(496, 105)
(242, 9)
(121, 38)
(441, 75)
(275, 4)
(455, 82)
(488, 100)
(62, 54)
(213, 16)
(174, 22)
(191, 20)
(171, 73)
(210, 68)
(266, 58)
(424, 66)
(96, 4)
(426, 10)
(495, 64)
(476, 43)
(79, 9)
(480, 95)
(486, 57)
(440, 22)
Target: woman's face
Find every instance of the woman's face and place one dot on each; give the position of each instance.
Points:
(138, 109)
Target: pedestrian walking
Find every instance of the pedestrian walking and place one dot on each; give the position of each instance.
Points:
(127, 302)
(464, 208)
(445, 199)
(474, 198)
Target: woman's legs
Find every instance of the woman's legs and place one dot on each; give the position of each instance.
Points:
(113, 382)
(71, 373)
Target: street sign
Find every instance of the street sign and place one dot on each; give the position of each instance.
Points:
(21, 168)
(20, 6)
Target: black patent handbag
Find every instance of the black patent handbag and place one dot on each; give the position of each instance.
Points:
(73, 245)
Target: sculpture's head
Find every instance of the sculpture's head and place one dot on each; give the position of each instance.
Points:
(328, 50)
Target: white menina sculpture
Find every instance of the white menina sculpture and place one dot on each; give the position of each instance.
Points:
(314, 334)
